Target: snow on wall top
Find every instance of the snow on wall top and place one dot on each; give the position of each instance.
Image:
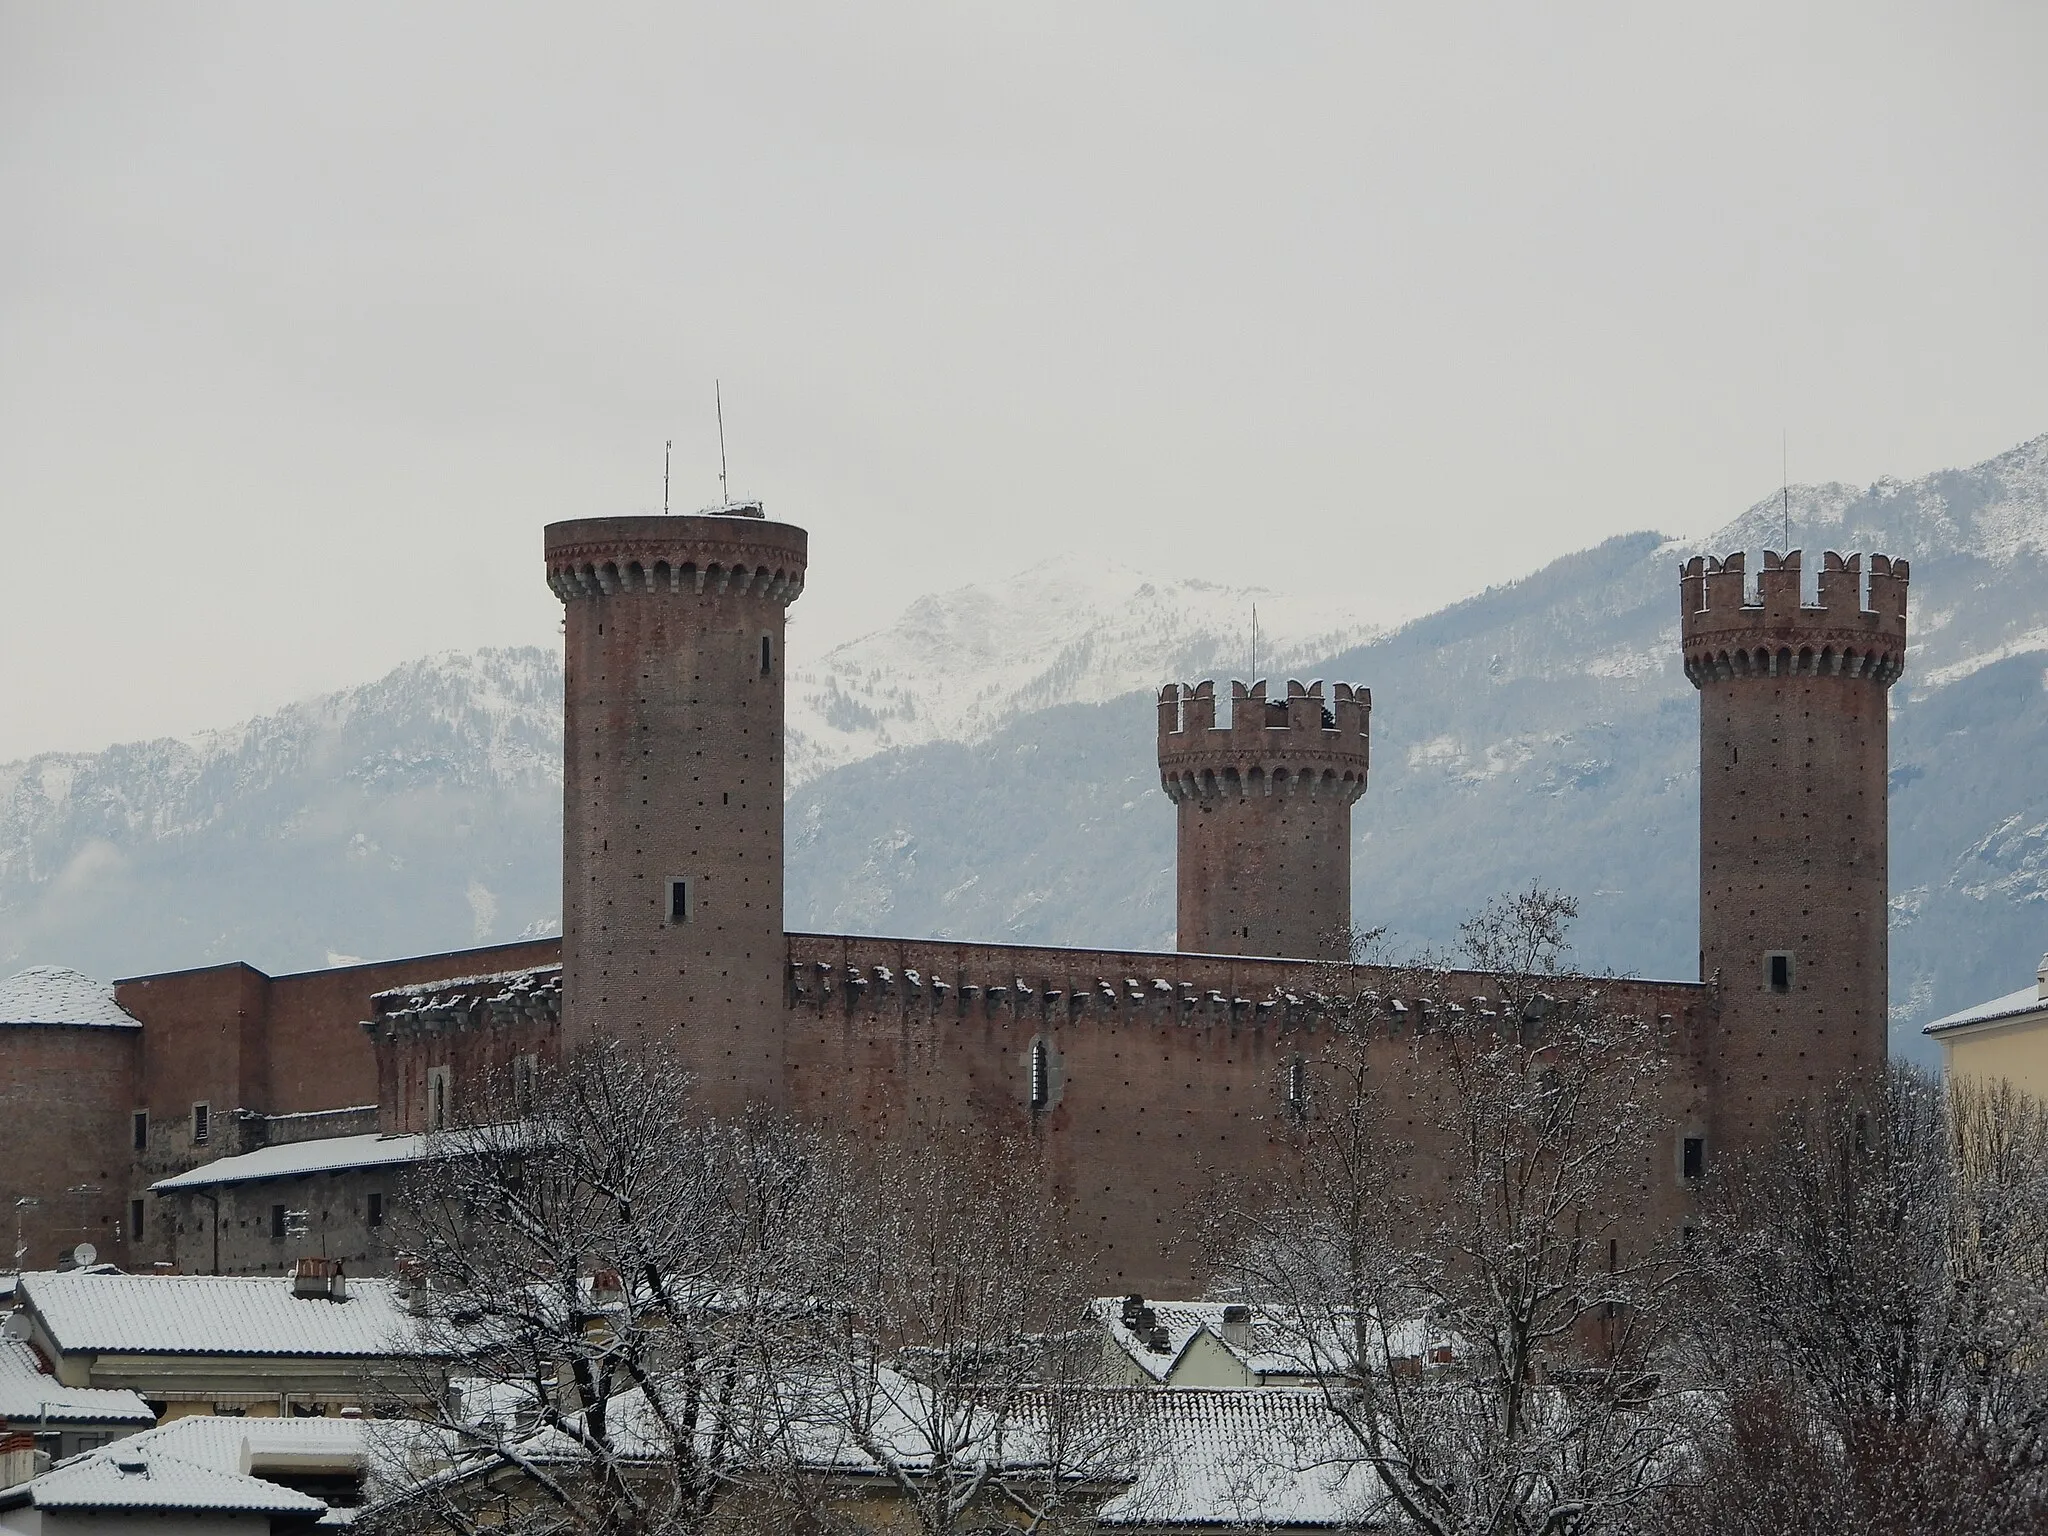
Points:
(55, 994)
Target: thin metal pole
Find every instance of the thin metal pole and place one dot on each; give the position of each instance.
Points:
(1785, 480)
(665, 447)
(718, 397)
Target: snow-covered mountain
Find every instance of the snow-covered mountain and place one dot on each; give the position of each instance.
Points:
(961, 665)
(983, 768)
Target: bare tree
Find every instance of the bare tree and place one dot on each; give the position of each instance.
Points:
(1878, 1354)
(954, 1366)
(613, 1291)
(1461, 1290)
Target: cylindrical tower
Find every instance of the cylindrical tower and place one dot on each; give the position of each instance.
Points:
(1264, 853)
(1793, 880)
(672, 787)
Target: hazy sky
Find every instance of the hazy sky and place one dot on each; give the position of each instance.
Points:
(311, 316)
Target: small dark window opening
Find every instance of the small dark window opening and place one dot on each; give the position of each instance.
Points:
(1694, 1161)
(726, 798)
(1041, 1086)
(1862, 1135)
(202, 1124)
(767, 657)
(678, 899)
(134, 1221)
(277, 1223)
(376, 1214)
(1297, 1087)
(142, 1130)
(1781, 973)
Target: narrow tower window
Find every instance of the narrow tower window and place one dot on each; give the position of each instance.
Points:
(1780, 967)
(202, 1124)
(679, 905)
(1041, 1076)
(1693, 1159)
(142, 1130)
(1297, 1088)
(134, 1221)
(767, 657)
(376, 1211)
(437, 1098)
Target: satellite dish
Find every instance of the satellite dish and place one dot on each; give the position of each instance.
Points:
(16, 1327)
(85, 1254)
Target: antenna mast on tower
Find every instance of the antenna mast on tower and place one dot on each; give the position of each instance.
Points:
(1785, 481)
(718, 398)
(665, 448)
(1255, 645)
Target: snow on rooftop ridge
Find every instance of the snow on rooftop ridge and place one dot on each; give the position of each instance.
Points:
(28, 1392)
(325, 1154)
(525, 979)
(215, 1315)
(124, 1476)
(2013, 1005)
(56, 994)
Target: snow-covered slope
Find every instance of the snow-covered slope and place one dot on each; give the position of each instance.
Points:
(961, 665)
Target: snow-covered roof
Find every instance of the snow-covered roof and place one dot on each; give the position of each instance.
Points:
(1270, 1458)
(1183, 1325)
(1273, 1349)
(326, 1154)
(214, 1315)
(128, 1475)
(236, 1445)
(2013, 1005)
(56, 994)
(28, 1394)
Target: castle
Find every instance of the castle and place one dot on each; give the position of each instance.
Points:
(220, 1119)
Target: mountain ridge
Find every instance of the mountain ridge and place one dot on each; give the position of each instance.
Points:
(1539, 729)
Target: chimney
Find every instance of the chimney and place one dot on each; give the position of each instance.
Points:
(1237, 1328)
(1134, 1308)
(2041, 980)
(319, 1279)
(411, 1274)
(1158, 1340)
(17, 1459)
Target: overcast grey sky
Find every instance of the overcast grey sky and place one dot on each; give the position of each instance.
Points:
(311, 316)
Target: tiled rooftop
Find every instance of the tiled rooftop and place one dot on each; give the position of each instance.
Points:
(55, 994)
(213, 1315)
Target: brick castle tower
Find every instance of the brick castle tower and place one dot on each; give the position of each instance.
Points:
(672, 787)
(1264, 852)
(1793, 878)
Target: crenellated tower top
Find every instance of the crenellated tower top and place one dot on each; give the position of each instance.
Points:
(735, 553)
(1303, 744)
(1857, 629)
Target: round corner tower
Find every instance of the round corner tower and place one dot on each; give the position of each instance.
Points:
(672, 836)
(1794, 886)
(1263, 862)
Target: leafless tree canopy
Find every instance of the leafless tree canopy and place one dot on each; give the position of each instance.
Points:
(621, 1288)
(1876, 1358)
(1459, 1288)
